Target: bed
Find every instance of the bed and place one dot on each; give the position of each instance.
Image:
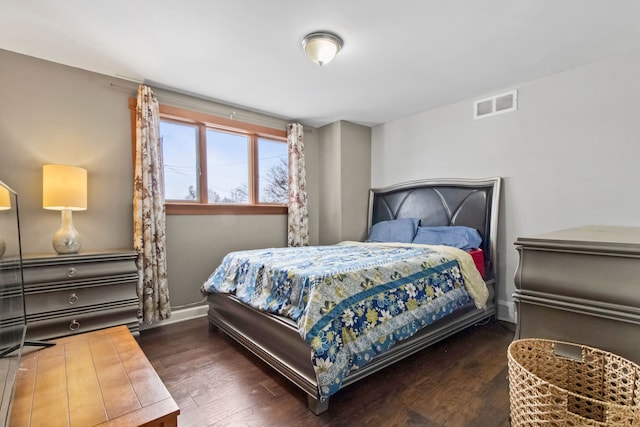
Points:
(276, 326)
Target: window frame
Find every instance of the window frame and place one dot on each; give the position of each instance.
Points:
(205, 121)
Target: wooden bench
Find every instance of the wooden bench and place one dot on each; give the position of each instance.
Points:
(99, 378)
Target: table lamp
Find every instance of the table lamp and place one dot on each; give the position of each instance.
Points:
(64, 188)
(5, 203)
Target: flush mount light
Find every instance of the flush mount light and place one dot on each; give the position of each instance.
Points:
(321, 46)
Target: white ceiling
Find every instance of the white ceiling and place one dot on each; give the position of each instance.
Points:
(399, 58)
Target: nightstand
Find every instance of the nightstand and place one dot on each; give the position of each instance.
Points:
(581, 285)
(71, 294)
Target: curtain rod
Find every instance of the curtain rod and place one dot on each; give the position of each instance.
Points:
(192, 101)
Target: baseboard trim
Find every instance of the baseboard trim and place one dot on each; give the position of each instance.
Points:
(507, 311)
(179, 315)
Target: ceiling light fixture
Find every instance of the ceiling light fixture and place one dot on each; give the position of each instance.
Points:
(321, 46)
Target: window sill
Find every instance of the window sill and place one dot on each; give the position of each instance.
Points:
(223, 209)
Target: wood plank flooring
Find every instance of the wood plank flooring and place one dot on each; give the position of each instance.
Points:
(461, 381)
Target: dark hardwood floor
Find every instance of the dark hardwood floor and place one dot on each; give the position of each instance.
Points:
(461, 381)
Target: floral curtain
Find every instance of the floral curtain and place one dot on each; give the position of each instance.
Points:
(148, 211)
(298, 228)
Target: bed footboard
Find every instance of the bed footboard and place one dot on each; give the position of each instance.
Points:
(273, 339)
(276, 341)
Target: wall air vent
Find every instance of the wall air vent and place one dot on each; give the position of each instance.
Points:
(497, 104)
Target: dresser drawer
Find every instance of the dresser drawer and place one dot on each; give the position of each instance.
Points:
(83, 295)
(586, 324)
(73, 293)
(63, 272)
(609, 278)
(76, 323)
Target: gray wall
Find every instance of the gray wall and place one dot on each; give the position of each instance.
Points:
(55, 114)
(569, 155)
(50, 113)
(355, 173)
(329, 141)
(345, 170)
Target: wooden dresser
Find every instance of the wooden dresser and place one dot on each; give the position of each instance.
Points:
(581, 285)
(71, 294)
(100, 378)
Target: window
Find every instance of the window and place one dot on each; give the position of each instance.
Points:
(218, 165)
(227, 167)
(273, 172)
(180, 158)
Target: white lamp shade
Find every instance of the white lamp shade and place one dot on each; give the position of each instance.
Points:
(64, 187)
(321, 47)
(5, 200)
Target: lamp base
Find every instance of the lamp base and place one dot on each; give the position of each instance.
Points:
(67, 240)
(3, 246)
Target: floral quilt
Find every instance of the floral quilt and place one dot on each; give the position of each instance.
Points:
(353, 300)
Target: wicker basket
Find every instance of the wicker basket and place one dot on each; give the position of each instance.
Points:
(555, 383)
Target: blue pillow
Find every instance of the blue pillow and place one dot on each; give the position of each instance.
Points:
(395, 230)
(457, 236)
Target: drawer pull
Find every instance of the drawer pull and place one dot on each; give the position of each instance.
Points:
(74, 325)
(73, 298)
(71, 272)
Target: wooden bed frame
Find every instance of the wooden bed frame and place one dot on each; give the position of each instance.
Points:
(275, 339)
